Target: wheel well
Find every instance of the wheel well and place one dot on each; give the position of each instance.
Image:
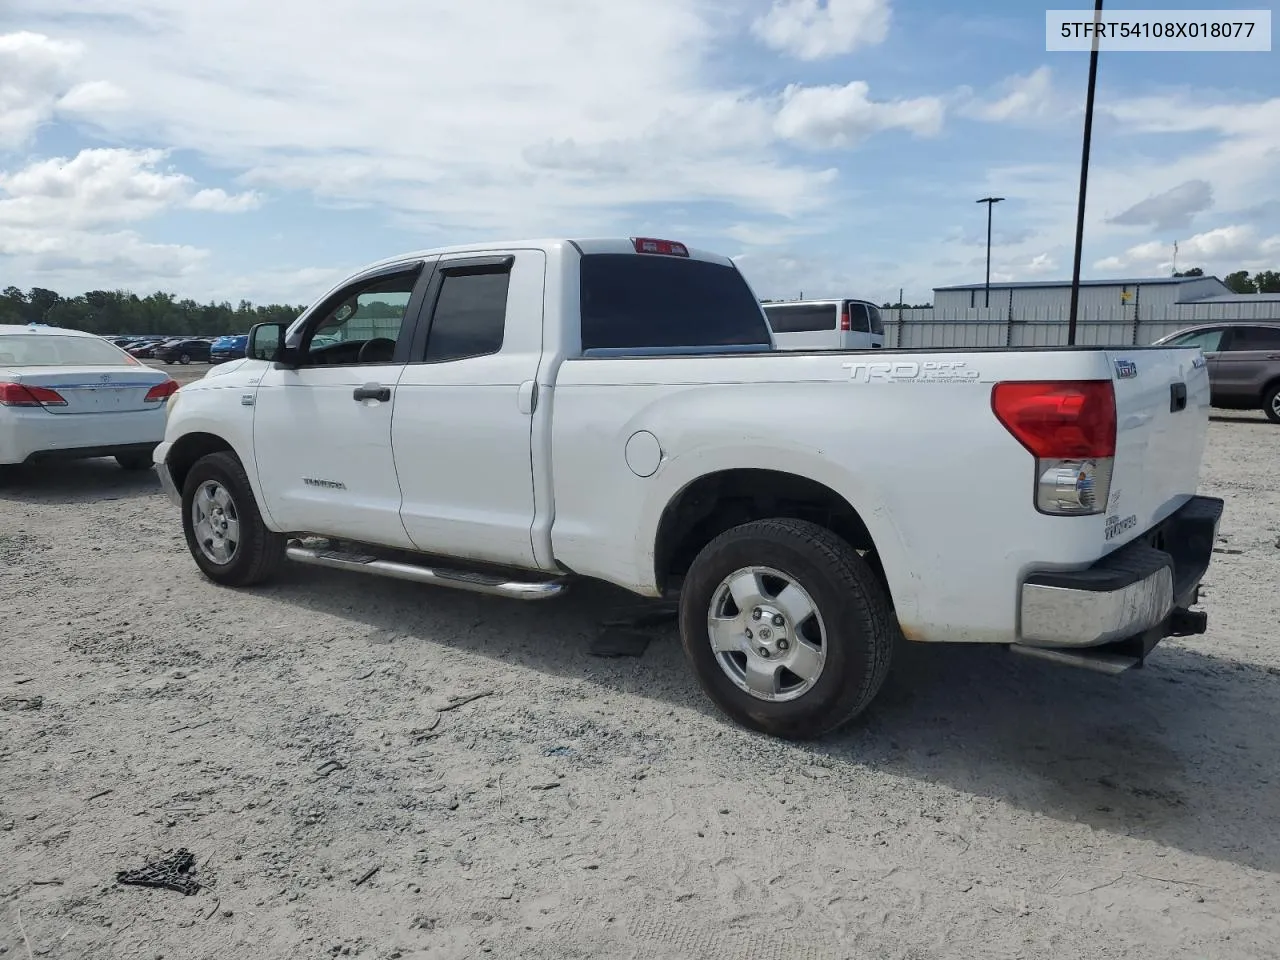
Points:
(189, 448)
(1269, 386)
(714, 503)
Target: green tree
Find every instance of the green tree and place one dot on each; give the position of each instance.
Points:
(1240, 282)
(1267, 281)
(1193, 272)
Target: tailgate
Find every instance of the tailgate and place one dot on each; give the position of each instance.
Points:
(1162, 419)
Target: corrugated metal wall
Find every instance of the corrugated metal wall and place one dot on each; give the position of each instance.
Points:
(1047, 325)
(1100, 297)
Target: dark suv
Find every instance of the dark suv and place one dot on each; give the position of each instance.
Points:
(1244, 362)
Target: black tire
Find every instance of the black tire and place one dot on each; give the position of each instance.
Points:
(1271, 403)
(134, 461)
(184, 359)
(259, 552)
(854, 608)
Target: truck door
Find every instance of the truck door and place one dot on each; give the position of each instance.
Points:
(322, 429)
(464, 409)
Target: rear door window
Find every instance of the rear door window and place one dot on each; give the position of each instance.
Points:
(877, 322)
(801, 317)
(858, 319)
(634, 301)
(1254, 338)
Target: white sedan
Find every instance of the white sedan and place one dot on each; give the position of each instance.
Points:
(65, 394)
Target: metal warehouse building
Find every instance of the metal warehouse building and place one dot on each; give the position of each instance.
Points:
(1096, 296)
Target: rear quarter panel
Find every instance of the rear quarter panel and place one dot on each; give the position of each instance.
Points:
(943, 488)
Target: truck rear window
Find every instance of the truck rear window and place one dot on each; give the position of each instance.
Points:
(801, 318)
(636, 301)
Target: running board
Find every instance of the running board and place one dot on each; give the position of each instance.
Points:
(1086, 657)
(456, 579)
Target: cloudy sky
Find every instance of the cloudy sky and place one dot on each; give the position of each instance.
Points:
(263, 149)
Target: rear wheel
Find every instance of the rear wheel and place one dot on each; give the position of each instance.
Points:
(1271, 404)
(184, 359)
(134, 461)
(787, 627)
(224, 529)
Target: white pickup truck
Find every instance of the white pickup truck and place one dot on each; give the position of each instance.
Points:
(504, 418)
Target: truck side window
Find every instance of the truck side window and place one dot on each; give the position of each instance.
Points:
(362, 323)
(470, 317)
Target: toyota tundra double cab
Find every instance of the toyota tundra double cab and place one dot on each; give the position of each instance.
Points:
(509, 417)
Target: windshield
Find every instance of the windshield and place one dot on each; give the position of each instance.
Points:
(635, 301)
(51, 350)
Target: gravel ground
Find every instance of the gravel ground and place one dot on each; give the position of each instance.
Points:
(291, 738)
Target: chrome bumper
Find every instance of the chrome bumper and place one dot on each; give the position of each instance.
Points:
(167, 484)
(1133, 592)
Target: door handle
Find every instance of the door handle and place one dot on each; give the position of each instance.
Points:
(371, 391)
(1273, 356)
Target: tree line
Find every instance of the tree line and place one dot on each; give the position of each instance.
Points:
(121, 312)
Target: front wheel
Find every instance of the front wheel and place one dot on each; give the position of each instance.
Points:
(1271, 404)
(224, 529)
(787, 627)
(184, 359)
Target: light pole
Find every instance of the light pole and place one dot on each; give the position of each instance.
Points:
(990, 202)
(1084, 174)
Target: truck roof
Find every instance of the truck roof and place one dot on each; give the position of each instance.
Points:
(548, 245)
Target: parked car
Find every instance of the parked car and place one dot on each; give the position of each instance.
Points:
(806, 508)
(228, 348)
(1244, 362)
(825, 324)
(66, 394)
(145, 349)
(184, 351)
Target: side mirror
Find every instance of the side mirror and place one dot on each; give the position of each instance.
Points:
(266, 342)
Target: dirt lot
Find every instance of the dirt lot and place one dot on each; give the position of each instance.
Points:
(987, 806)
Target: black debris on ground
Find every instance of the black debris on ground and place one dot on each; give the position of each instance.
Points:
(171, 873)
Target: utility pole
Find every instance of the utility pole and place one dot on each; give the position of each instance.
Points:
(1084, 174)
(990, 202)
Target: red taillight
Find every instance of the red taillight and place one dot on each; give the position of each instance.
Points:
(845, 325)
(161, 391)
(667, 247)
(27, 395)
(1059, 419)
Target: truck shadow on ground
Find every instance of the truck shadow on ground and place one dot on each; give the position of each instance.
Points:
(1181, 752)
(75, 482)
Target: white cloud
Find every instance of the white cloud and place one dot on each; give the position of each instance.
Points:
(33, 73)
(472, 119)
(218, 200)
(1017, 98)
(91, 98)
(103, 186)
(1220, 250)
(818, 29)
(79, 254)
(845, 116)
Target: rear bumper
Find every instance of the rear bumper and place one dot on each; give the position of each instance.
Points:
(32, 434)
(1139, 592)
